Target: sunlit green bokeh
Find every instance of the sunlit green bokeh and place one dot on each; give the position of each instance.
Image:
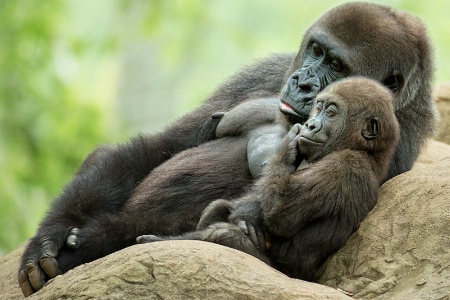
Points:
(79, 73)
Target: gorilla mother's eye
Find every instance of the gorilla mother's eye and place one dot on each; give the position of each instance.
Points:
(317, 50)
(337, 66)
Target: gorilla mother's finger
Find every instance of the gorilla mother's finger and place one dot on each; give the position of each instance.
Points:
(47, 261)
(36, 276)
(143, 239)
(25, 285)
(218, 115)
(48, 247)
(50, 266)
(72, 240)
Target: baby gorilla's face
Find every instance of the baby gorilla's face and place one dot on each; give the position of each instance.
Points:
(321, 128)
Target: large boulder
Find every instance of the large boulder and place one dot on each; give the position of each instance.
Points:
(442, 98)
(433, 152)
(401, 250)
(175, 270)
(9, 264)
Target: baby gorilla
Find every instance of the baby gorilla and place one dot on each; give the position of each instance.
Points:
(317, 188)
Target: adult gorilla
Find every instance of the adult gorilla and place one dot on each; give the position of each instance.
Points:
(376, 41)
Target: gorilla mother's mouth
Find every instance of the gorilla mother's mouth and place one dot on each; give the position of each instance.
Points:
(287, 109)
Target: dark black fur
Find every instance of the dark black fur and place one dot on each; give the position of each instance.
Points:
(311, 210)
(188, 182)
(399, 56)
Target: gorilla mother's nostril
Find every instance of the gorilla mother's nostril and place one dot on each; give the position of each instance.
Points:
(305, 87)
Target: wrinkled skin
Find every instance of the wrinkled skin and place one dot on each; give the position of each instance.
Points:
(343, 42)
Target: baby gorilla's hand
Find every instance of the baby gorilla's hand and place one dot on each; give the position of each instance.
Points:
(259, 237)
(289, 148)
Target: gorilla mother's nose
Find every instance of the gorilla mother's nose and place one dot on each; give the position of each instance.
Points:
(306, 81)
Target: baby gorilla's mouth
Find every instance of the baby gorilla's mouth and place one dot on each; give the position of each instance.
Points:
(305, 139)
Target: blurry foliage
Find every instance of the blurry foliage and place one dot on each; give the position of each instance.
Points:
(45, 130)
(60, 62)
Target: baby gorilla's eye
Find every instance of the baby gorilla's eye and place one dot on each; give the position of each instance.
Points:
(331, 113)
(319, 107)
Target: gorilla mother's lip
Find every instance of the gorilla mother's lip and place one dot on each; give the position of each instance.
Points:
(286, 108)
(303, 138)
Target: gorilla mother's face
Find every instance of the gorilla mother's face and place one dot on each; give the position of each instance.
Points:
(352, 39)
(322, 65)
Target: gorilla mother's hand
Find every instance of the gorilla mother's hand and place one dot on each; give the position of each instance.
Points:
(39, 262)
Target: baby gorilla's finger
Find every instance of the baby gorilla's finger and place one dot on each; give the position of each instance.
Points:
(243, 226)
(257, 237)
(295, 130)
(268, 241)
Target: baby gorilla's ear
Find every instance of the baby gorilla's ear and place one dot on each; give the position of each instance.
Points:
(371, 128)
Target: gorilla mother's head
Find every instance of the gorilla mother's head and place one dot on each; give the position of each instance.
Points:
(366, 39)
(376, 41)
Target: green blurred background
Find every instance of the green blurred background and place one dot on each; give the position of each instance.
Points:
(75, 74)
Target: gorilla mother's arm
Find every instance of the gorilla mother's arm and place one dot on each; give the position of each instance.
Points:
(109, 175)
(103, 183)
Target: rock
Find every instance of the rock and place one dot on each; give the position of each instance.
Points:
(434, 151)
(442, 98)
(9, 264)
(173, 270)
(401, 250)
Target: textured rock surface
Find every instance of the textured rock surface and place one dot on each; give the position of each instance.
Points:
(179, 270)
(401, 250)
(9, 264)
(433, 152)
(442, 98)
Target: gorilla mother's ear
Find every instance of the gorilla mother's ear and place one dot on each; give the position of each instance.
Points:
(370, 131)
